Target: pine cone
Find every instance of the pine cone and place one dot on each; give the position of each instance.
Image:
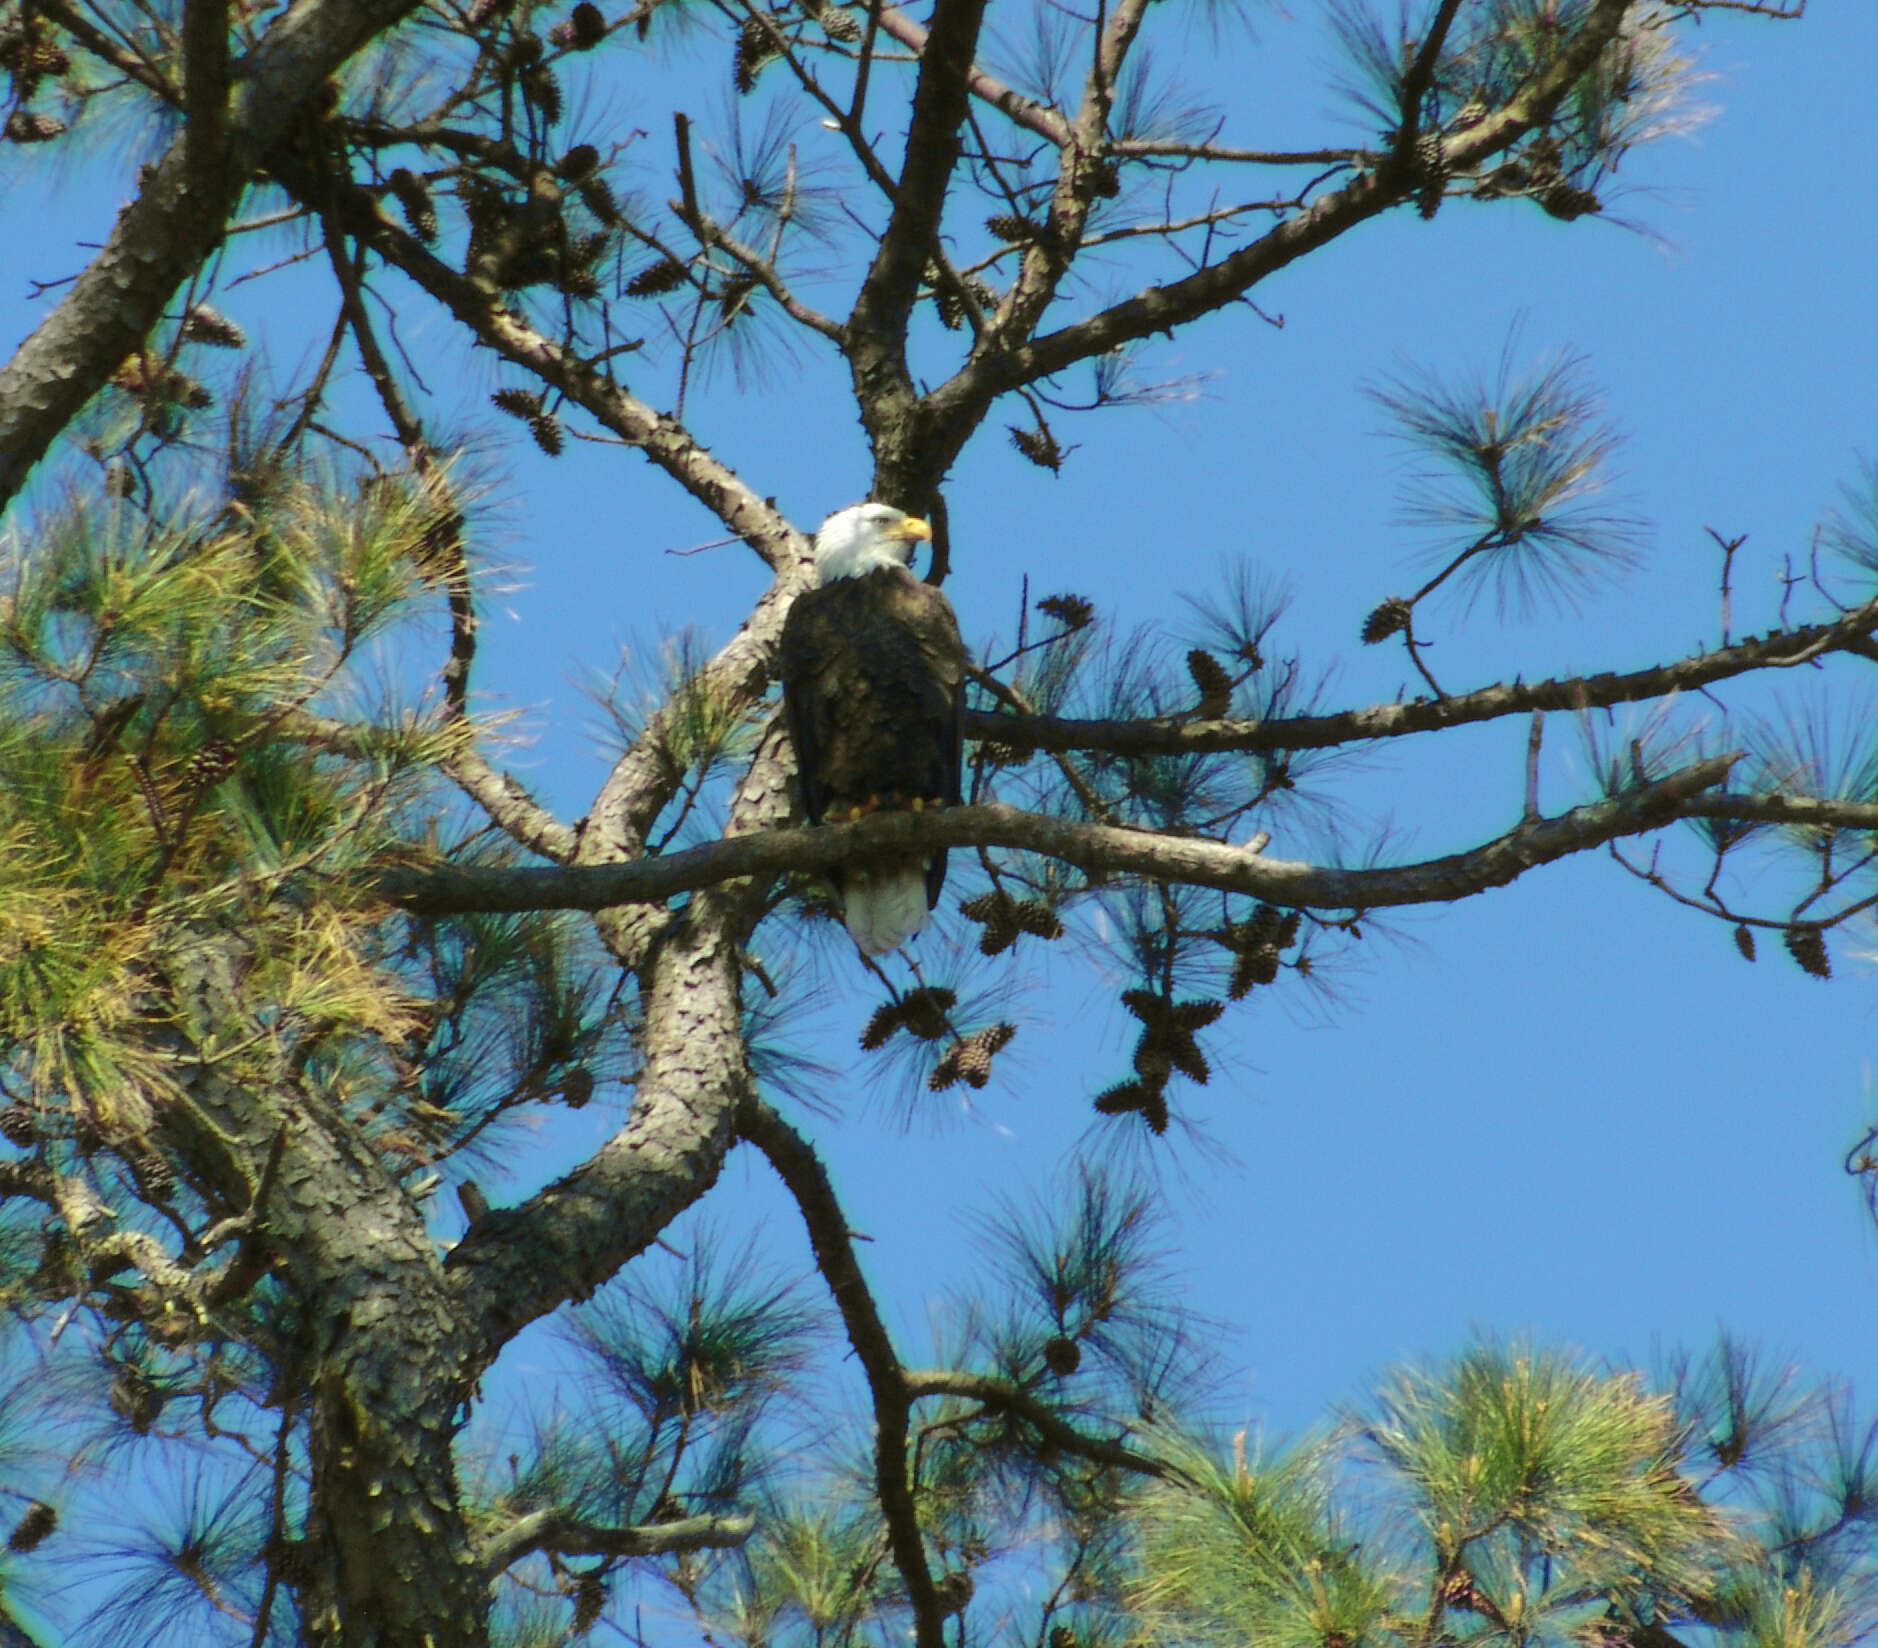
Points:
(1807, 945)
(1011, 229)
(1062, 1357)
(38, 1521)
(577, 162)
(205, 325)
(755, 47)
(1565, 202)
(414, 199)
(541, 88)
(584, 29)
(925, 1011)
(546, 429)
(24, 126)
(656, 279)
(1215, 686)
(589, 1601)
(598, 198)
(134, 1398)
(1039, 446)
(19, 1125)
(1385, 619)
(1071, 611)
(1744, 941)
(1434, 176)
(1137, 1097)
(518, 403)
(1036, 918)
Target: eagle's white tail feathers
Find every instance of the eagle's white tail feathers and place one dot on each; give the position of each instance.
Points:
(885, 904)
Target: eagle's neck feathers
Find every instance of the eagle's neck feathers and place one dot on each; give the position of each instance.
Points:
(858, 557)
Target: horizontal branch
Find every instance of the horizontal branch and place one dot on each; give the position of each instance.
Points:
(1002, 1396)
(1167, 735)
(1795, 811)
(1101, 850)
(554, 1530)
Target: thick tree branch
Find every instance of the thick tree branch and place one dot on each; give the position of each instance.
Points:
(1806, 812)
(205, 93)
(1100, 849)
(877, 326)
(801, 1170)
(553, 1530)
(517, 1264)
(172, 225)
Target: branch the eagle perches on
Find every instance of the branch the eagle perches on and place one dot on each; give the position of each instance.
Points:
(1101, 850)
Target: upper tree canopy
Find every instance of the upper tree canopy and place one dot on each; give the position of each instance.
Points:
(288, 942)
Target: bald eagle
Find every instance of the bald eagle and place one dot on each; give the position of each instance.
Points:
(872, 671)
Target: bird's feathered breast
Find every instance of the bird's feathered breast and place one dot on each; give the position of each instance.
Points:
(872, 670)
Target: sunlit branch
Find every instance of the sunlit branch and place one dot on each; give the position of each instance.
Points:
(1038, 117)
(1167, 735)
(517, 1264)
(1079, 181)
(554, 1530)
(1806, 812)
(1154, 148)
(1097, 848)
(801, 1170)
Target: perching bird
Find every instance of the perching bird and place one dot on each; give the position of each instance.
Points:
(872, 674)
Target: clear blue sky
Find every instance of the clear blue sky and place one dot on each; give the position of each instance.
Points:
(1566, 1107)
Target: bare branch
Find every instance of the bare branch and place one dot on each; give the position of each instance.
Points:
(519, 1263)
(1040, 118)
(205, 92)
(554, 1530)
(801, 1170)
(1098, 848)
(1167, 735)
(711, 235)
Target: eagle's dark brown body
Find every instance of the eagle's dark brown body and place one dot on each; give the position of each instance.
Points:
(872, 670)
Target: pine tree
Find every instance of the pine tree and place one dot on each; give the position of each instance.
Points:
(284, 948)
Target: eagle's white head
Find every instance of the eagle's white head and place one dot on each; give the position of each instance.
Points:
(865, 537)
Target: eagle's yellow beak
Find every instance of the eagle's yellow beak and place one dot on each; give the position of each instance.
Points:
(914, 527)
